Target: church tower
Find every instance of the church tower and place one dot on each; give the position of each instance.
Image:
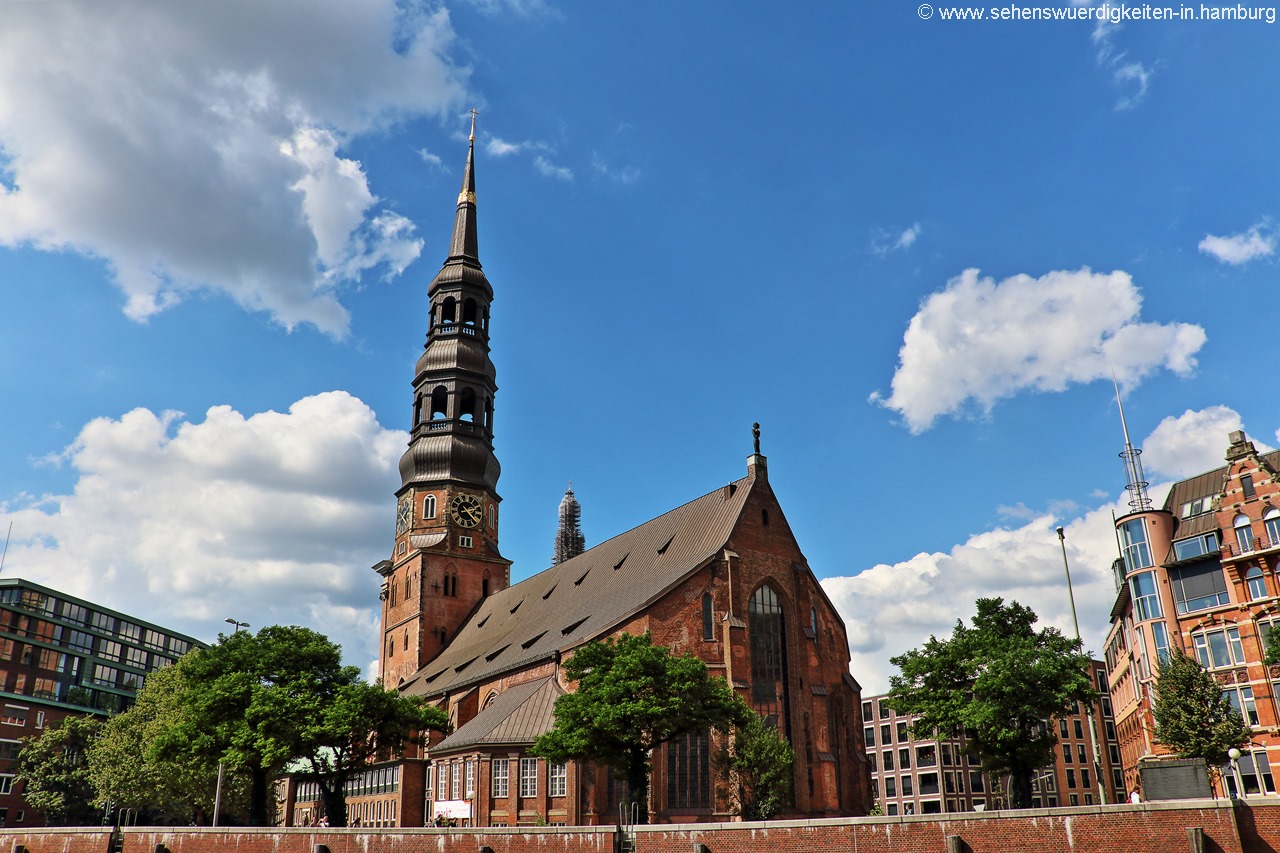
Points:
(445, 558)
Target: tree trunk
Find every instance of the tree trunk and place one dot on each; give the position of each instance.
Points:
(638, 783)
(1020, 788)
(335, 802)
(261, 795)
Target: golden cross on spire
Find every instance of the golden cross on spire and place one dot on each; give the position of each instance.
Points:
(474, 112)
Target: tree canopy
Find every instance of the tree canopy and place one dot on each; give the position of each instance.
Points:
(258, 702)
(1193, 716)
(997, 682)
(55, 774)
(633, 696)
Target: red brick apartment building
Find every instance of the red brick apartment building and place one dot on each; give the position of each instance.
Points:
(1199, 573)
(720, 577)
(62, 656)
(910, 776)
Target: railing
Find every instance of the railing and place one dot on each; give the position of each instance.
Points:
(449, 329)
(1233, 551)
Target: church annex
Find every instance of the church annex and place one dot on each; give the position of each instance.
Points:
(720, 577)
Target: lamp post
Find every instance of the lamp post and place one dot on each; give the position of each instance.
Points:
(1234, 755)
(1093, 733)
(217, 797)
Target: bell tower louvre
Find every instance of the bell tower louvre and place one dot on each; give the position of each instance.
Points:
(445, 558)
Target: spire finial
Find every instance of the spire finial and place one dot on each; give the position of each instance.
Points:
(474, 112)
(755, 435)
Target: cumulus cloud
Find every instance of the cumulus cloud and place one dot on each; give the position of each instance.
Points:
(978, 341)
(619, 175)
(890, 609)
(1257, 242)
(1191, 443)
(884, 242)
(196, 147)
(274, 518)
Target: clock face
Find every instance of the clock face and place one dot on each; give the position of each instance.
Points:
(404, 515)
(465, 510)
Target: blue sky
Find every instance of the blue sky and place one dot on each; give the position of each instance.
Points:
(913, 250)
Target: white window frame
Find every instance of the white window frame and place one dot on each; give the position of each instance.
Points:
(455, 778)
(500, 781)
(429, 507)
(464, 542)
(528, 777)
(1203, 648)
(558, 780)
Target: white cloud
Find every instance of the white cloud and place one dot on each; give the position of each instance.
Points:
(623, 175)
(496, 147)
(432, 160)
(519, 8)
(271, 519)
(1257, 242)
(884, 242)
(1192, 443)
(196, 147)
(890, 609)
(978, 341)
(1129, 75)
(551, 170)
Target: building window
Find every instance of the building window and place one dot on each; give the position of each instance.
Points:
(6, 784)
(1244, 533)
(455, 779)
(907, 786)
(1197, 506)
(558, 780)
(471, 779)
(1257, 585)
(1242, 700)
(866, 711)
(528, 777)
(902, 732)
(500, 769)
(1071, 778)
(886, 735)
(429, 507)
(708, 618)
(442, 783)
(1246, 486)
(1217, 649)
(1197, 546)
(769, 689)
(464, 542)
(1136, 550)
(689, 772)
(1146, 598)
(1199, 587)
(869, 736)
(891, 787)
(1066, 752)
(14, 715)
(904, 758)
(888, 759)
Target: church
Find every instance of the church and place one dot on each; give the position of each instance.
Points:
(720, 577)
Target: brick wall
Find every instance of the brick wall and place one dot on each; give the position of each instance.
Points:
(1252, 827)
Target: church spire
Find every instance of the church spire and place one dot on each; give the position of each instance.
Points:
(464, 243)
(569, 539)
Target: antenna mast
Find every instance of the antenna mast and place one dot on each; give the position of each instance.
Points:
(1136, 482)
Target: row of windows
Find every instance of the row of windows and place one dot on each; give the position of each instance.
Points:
(446, 780)
(28, 599)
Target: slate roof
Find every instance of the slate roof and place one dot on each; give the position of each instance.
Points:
(1208, 484)
(586, 596)
(516, 716)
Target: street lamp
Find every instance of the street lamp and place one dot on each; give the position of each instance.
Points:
(1234, 755)
(217, 797)
(1093, 734)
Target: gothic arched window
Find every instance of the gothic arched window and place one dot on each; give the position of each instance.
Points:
(429, 507)
(766, 628)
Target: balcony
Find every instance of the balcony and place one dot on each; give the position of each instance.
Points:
(1260, 545)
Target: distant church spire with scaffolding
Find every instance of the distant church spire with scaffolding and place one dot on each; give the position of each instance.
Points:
(569, 539)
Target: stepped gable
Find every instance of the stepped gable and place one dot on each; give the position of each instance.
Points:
(586, 596)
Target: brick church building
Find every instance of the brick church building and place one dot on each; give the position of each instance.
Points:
(720, 577)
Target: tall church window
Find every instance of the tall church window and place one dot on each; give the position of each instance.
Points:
(689, 772)
(429, 507)
(708, 618)
(767, 626)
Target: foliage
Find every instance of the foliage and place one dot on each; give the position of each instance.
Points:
(257, 702)
(55, 775)
(997, 682)
(758, 764)
(1193, 716)
(130, 770)
(633, 696)
(1271, 642)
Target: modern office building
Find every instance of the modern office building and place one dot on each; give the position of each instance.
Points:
(63, 656)
(1199, 573)
(916, 776)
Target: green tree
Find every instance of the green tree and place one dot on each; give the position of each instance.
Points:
(757, 765)
(1193, 716)
(258, 702)
(55, 775)
(633, 696)
(998, 682)
(129, 768)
